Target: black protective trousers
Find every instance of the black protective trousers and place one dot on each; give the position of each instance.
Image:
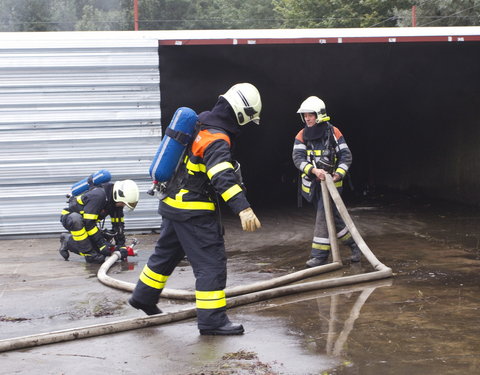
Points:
(80, 244)
(321, 246)
(201, 240)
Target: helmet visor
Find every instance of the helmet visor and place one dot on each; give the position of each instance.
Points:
(131, 205)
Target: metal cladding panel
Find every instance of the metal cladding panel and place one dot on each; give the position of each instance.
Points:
(68, 109)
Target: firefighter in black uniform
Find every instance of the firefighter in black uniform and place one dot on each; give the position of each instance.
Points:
(190, 225)
(85, 211)
(320, 148)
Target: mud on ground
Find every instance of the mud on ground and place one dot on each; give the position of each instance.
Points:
(424, 320)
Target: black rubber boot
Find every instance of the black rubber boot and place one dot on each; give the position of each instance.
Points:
(63, 246)
(147, 309)
(315, 262)
(95, 258)
(356, 254)
(228, 329)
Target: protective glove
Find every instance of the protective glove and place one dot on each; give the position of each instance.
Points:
(123, 252)
(250, 223)
(107, 250)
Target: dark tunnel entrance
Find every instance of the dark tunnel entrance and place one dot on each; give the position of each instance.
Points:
(409, 111)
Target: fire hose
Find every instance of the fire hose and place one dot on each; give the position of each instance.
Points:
(252, 293)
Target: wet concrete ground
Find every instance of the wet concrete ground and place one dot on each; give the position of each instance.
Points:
(424, 320)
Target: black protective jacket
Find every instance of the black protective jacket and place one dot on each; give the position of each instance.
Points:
(322, 146)
(207, 170)
(94, 206)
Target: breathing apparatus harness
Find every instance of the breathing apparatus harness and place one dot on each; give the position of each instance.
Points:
(326, 159)
(182, 179)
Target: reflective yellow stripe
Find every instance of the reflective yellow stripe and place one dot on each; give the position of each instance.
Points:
(339, 183)
(180, 194)
(320, 247)
(189, 205)
(196, 167)
(92, 231)
(315, 152)
(153, 279)
(211, 304)
(65, 212)
(306, 189)
(117, 219)
(90, 217)
(210, 300)
(151, 283)
(307, 168)
(341, 171)
(229, 193)
(218, 168)
(345, 237)
(79, 235)
(154, 275)
(79, 200)
(216, 294)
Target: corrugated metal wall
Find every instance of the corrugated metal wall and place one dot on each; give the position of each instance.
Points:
(71, 104)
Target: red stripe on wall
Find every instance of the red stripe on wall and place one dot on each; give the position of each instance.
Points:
(329, 40)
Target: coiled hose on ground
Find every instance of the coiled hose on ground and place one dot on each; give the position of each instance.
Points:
(247, 294)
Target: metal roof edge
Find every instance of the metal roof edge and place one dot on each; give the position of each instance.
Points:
(151, 39)
(322, 36)
(240, 33)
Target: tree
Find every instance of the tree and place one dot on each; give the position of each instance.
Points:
(24, 15)
(70, 15)
(94, 19)
(442, 13)
(235, 14)
(205, 14)
(164, 14)
(337, 13)
(64, 14)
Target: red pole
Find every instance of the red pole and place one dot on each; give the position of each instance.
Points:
(135, 14)
(414, 16)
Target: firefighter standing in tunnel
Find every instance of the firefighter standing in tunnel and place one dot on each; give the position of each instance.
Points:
(85, 211)
(320, 149)
(190, 224)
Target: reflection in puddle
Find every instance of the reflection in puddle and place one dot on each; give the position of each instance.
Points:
(324, 319)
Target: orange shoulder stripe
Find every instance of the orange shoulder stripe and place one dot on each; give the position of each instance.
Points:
(337, 133)
(204, 139)
(299, 136)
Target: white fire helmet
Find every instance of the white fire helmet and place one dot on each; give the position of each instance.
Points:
(314, 104)
(126, 191)
(245, 100)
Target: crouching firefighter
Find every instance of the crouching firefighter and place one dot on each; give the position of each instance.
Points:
(84, 213)
(191, 225)
(319, 149)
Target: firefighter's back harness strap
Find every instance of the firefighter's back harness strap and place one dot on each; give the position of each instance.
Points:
(179, 136)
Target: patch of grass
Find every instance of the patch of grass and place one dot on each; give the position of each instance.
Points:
(241, 362)
(241, 354)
